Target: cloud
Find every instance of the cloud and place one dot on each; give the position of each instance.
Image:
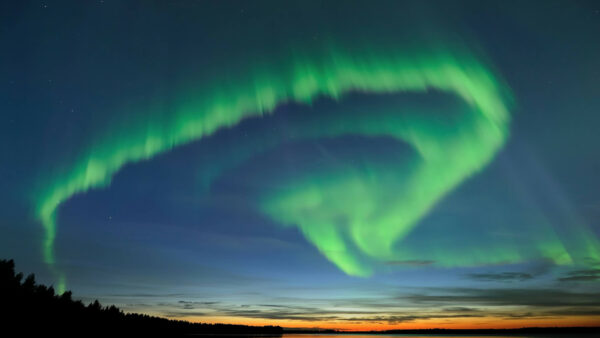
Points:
(591, 275)
(501, 277)
(313, 314)
(145, 295)
(192, 305)
(461, 309)
(178, 314)
(542, 298)
(390, 307)
(395, 319)
(575, 312)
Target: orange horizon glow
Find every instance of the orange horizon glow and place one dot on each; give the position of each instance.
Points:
(454, 323)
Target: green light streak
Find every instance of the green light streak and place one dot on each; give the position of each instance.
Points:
(374, 209)
(328, 73)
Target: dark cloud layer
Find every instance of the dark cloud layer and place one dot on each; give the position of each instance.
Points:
(501, 277)
(591, 275)
(541, 298)
(427, 304)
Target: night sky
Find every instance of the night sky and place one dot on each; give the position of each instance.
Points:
(334, 164)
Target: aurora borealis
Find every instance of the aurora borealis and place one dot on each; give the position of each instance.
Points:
(373, 231)
(388, 164)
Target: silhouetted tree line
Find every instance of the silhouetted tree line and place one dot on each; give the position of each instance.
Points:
(32, 308)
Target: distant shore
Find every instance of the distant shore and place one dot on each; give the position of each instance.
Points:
(528, 331)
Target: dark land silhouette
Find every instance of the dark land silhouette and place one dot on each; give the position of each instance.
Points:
(521, 332)
(33, 308)
(30, 308)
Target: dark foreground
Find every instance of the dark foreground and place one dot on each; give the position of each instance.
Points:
(521, 332)
(33, 308)
(423, 333)
(30, 308)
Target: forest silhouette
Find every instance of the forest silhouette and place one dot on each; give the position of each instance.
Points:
(33, 308)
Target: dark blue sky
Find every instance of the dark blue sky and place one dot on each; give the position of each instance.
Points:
(184, 232)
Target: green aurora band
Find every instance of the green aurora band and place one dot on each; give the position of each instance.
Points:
(374, 218)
